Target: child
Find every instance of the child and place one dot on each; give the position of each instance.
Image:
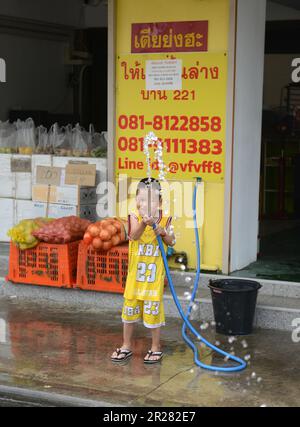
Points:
(145, 279)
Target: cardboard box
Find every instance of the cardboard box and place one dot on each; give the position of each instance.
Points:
(40, 160)
(15, 184)
(67, 195)
(6, 218)
(80, 174)
(29, 209)
(101, 165)
(13, 211)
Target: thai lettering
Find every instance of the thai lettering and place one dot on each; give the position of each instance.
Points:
(196, 72)
(170, 37)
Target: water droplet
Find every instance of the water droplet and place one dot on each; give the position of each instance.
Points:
(247, 357)
(228, 313)
(226, 358)
(213, 323)
(188, 279)
(231, 340)
(244, 344)
(183, 267)
(204, 326)
(217, 343)
(253, 375)
(195, 307)
(259, 379)
(192, 371)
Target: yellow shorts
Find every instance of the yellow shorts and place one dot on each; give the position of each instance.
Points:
(152, 312)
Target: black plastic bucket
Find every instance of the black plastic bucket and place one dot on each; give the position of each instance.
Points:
(234, 302)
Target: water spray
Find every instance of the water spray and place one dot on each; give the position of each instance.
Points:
(151, 139)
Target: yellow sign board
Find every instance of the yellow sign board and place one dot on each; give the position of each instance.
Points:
(190, 122)
(171, 79)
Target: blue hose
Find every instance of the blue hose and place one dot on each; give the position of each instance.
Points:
(187, 324)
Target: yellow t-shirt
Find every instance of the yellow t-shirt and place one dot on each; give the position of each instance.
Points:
(146, 272)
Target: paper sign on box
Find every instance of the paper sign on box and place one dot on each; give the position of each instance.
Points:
(80, 174)
(48, 175)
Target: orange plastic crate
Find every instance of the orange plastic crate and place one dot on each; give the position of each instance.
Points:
(46, 264)
(102, 270)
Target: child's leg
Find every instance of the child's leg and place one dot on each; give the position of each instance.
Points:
(155, 339)
(131, 314)
(127, 340)
(127, 335)
(154, 318)
(155, 332)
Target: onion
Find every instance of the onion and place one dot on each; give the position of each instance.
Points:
(93, 230)
(111, 229)
(87, 238)
(107, 246)
(97, 243)
(117, 225)
(104, 223)
(115, 240)
(105, 235)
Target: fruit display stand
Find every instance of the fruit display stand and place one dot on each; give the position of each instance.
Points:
(104, 271)
(46, 264)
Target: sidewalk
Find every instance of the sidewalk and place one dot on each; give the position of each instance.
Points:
(66, 351)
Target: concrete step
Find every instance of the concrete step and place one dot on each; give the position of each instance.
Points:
(271, 312)
(269, 287)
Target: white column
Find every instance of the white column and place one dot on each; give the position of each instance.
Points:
(250, 39)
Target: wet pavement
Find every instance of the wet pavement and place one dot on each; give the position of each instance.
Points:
(66, 351)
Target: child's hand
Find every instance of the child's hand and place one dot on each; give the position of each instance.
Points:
(148, 220)
(160, 231)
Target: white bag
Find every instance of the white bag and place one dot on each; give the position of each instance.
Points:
(25, 139)
(7, 138)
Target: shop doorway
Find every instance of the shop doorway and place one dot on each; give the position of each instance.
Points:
(279, 212)
(56, 57)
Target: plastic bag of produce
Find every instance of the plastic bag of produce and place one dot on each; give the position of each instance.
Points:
(21, 234)
(7, 138)
(43, 145)
(99, 144)
(62, 230)
(60, 139)
(107, 233)
(81, 143)
(25, 136)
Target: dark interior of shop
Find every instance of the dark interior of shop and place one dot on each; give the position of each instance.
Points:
(77, 56)
(279, 213)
